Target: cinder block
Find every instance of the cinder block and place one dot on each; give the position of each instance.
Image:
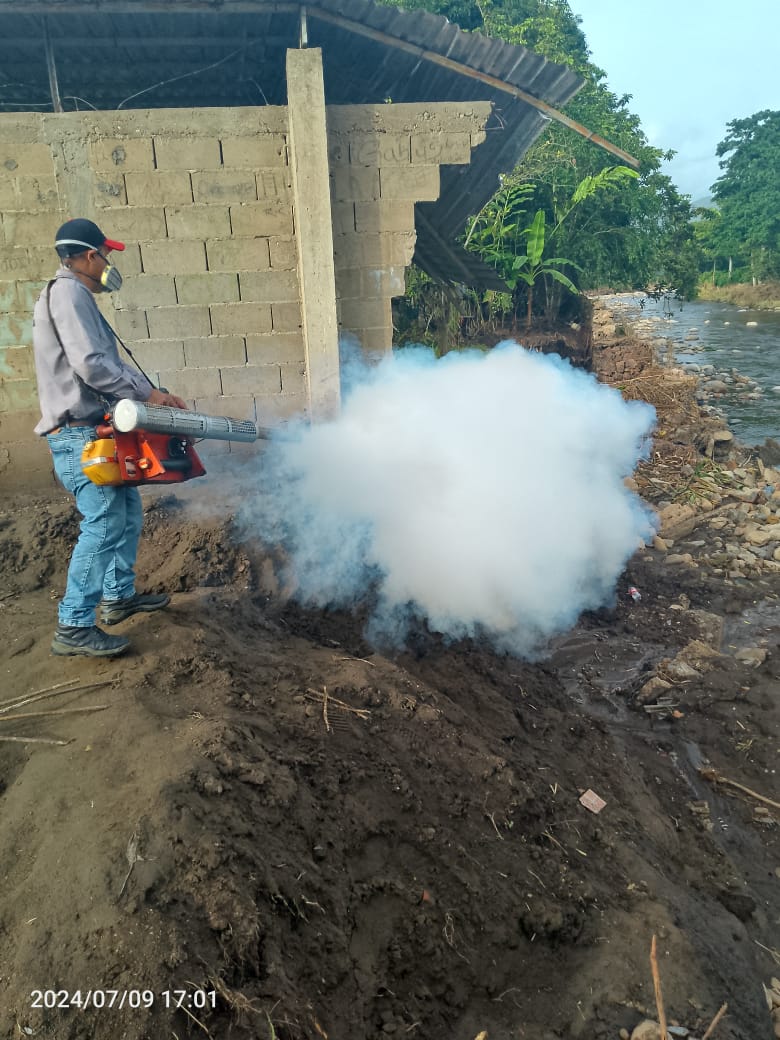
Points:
(193, 382)
(34, 193)
(478, 137)
(238, 254)
(16, 363)
(254, 379)
(159, 188)
(31, 264)
(355, 183)
(281, 408)
(110, 191)
(284, 255)
(418, 183)
(18, 425)
(380, 149)
(136, 224)
(342, 216)
(212, 287)
(274, 185)
(365, 314)
(234, 406)
(28, 456)
(131, 325)
(122, 154)
(178, 322)
(229, 319)
(374, 217)
(285, 317)
(130, 262)
(261, 218)
(294, 378)
(18, 395)
(9, 299)
(159, 355)
(224, 186)
(215, 350)
(338, 149)
(283, 347)
(31, 229)
(203, 222)
(440, 149)
(187, 153)
(384, 250)
(146, 290)
(15, 330)
(8, 196)
(375, 342)
(27, 294)
(269, 286)
(364, 282)
(255, 151)
(22, 160)
(170, 257)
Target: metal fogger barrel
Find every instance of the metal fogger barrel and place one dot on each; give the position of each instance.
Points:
(133, 415)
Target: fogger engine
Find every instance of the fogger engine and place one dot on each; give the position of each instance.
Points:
(153, 444)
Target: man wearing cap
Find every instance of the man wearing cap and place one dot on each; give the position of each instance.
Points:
(79, 370)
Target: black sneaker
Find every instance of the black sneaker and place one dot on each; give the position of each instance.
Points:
(112, 612)
(70, 641)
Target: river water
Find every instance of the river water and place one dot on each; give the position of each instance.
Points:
(730, 339)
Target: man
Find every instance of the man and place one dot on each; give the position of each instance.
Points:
(79, 371)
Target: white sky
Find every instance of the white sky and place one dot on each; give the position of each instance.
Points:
(691, 66)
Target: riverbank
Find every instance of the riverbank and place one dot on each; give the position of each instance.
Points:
(765, 296)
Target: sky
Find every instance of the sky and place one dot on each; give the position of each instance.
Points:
(691, 67)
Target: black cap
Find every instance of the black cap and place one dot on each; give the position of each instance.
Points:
(77, 235)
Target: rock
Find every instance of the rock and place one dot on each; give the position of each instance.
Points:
(630, 484)
(677, 520)
(776, 554)
(647, 1030)
(652, 689)
(624, 1034)
(749, 495)
(763, 535)
(751, 655)
(708, 627)
(699, 655)
(680, 671)
(660, 544)
(680, 558)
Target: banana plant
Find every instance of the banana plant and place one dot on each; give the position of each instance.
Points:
(530, 267)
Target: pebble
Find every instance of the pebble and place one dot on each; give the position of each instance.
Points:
(647, 1030)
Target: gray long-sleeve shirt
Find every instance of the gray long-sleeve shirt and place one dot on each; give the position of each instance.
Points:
(89, 350)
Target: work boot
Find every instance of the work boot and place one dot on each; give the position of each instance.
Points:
(72, 641)
(114, 611)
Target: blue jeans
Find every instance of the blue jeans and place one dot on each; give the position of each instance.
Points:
(103, 560)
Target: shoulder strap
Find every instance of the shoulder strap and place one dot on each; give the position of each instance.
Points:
(105, 402)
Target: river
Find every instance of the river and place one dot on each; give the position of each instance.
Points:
(730, 339)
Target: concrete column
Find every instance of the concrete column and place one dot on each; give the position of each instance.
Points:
(308, 154)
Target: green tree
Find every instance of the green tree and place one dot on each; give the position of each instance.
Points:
(747, 193)
(629, 238)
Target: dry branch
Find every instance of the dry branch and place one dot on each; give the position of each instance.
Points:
(33, 740)
(714, 1022)
(715, 777)
(53, 691)
(659, 1000)
(58, 711)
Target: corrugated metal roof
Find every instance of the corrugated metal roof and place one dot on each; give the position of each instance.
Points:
(176, 53)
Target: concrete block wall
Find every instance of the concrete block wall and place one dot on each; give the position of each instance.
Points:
(210, 304)
(383, 159)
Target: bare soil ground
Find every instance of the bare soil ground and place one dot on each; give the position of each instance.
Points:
(311, 840)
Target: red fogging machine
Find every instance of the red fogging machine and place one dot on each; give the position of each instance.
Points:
(153, 444)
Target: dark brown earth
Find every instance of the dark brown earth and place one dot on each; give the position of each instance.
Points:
(313, 840)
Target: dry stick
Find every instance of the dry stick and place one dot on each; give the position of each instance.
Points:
(325, 707)
(46, 689)
(715, 777)
(33, 740)
(40, 696)
(714, 1022)
(60, 711)
(659, 1000)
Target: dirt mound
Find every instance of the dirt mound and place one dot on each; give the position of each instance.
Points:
(293, 836)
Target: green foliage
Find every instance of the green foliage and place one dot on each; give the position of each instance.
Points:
(627, 234)
(747, 194)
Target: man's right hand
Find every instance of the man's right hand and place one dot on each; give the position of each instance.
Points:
(164, 398)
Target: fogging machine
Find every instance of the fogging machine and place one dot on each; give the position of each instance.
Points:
(153, 444)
